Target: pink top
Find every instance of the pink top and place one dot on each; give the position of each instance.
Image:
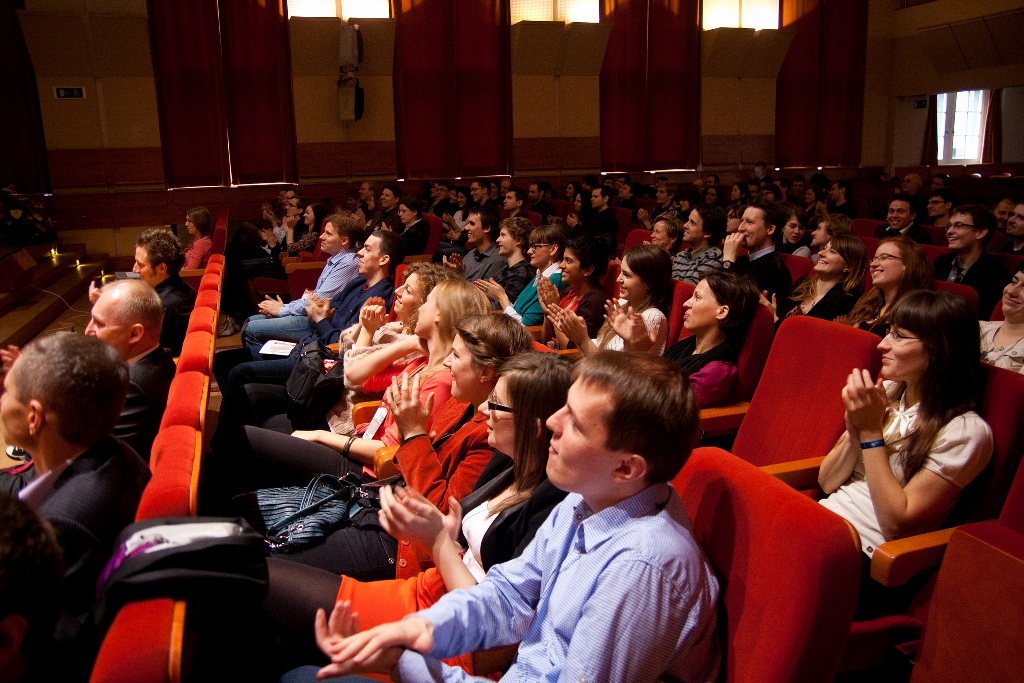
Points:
(713, 383)
(439, 383)
(199, 253)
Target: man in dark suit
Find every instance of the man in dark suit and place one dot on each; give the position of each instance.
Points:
(128, 316)
(538, 193)
(62, 398)
(602, 223)
(158, 259)
(762, 220)
(969, 264)
(900, 218)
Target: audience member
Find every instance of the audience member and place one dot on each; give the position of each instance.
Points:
(710, 195)
(538, 193)
(718, 316)
(387, 216)
(667, 234)
(840, 199)
(287, 321)
(303, 234)
(912, 441)
(510, 501)
(911, 187)
(31, 570)
(292, 220)
(415, 231)
(61, 402)
(198, 224)
(158, 260)
(368, 196)
(772, 193)
(940, 207)
(482, 261)
(733, 218)
(814, 204)
(440, 199)
(514, 201)
(1001, 339)
(572, 188)
(939, 180)
(739, 195)
(828, 227)
(625, 198)
(795, 239)
(513, 239)
(584, 264)
(1003, 209)
(797, 188)
(898, 266)
(970, 229)
(900, 220)
(547, 243)
(640, 420)
(1014, 244)
(666, 198)
(834, 285)
(645, 292)
(757, 231)
(601, 223)
(704, 231)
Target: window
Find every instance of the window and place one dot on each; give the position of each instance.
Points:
(584, 11)
(756, 14)
(360, 9)
(960, 126)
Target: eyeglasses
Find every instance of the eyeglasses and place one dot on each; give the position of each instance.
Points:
(961, 226)
(494, 406)
(885, 257)
(899, 337)
(537, 246)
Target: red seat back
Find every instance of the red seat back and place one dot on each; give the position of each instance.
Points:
(798, 266)
(865, 227)
(635, 238)
(434, 238)
(937, 234)
(196, 353)
(186, 400)
(1010, 261)
(932, 252)
(787, 567)
(625, 219)
(754, 354)
(797, 410)
(966, 292)
(610, 281)
(301, 279)
(533, 217)
(203, 319)
(681, 292)
(562, 208)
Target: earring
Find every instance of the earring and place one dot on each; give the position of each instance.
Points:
(845, 271)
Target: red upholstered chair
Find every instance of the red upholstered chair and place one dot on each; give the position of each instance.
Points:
(937, 234)
(610, 281)
(726, 419)
(870, 247)
(865, 227)
(562, 208)
(963, 290)
(932, 252)
(175, 461)
(533, 217)
(625, 219)
(436, 227)
(208, 298)
(209, 281)
(797, 410)
(997, 312)
(1009, 261)
(215, 259)
(143, 645)
(186, 400)
(681, 292)
(197, 353)
(635, 238)
(203, 319)
(220, 233)
(648, 205)
(787, 567)
(798, 266)
(303, 276)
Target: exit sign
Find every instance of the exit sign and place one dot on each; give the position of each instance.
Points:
(69, 93)
(920, 104)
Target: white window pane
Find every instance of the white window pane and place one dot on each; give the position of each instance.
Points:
(941, 149)
(717, 13)
(365, 9)
(940, 102)
(960, 124)
(976, 100)
(759, 14)
(312, 8)
(532, 10)
(959, 143)
(963, 102)
(579, 11)
(974, 123)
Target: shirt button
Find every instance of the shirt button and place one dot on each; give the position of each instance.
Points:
(403, 564)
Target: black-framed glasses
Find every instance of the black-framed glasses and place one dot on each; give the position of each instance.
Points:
(494, 406)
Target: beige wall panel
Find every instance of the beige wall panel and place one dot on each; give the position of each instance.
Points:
(130, 112)
(112, 241)
(537, 47)
(55, 5)
(70, 124)
(314, 45)
(124, 239)
(120, 46)
(720, 100)
(910, 128)
(535, 111)
(580, 106)
(915, 73)
(756, 108)
(57, 44)
(316, 110)
(378, 47)
(378, 122)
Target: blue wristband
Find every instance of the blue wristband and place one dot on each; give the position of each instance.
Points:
(872, 444)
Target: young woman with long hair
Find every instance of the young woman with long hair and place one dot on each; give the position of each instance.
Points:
(898, 266)
(834, 285)
(584, 263)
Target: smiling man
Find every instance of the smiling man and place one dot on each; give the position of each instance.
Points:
(899, 220)
(613, 587)
(761, 222)
(969, 230)
(158, 259)
(483, 260)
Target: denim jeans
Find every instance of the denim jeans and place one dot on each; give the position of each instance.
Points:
(259, 329)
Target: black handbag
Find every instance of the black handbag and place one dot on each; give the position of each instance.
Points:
(314, 385)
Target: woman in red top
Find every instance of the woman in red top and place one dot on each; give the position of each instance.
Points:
(198, 223)
(584, 263)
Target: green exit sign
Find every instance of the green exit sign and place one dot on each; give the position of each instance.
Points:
(69, 93)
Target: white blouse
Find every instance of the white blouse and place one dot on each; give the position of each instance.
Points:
(1010, 357)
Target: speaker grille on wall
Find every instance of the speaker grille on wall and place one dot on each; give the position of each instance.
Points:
(350, 46)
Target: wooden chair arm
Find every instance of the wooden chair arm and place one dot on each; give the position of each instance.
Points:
(363, 412)
(333, 347)
(304, 265)
(286, 260)
(799, 474)
(572, 354)
(192, 272)
(536, 331)
(723, 419)
(384, 462)
(896, 562)
(418, 258)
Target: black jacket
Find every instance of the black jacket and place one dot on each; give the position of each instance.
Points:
(986, 276)
(178, 299)
(149, 380)
(769, 272)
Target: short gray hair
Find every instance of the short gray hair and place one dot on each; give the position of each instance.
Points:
(80, 379)
(138, 303)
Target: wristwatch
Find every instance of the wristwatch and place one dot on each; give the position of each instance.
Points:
(727, 264)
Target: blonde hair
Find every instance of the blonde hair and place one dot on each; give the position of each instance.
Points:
(456, 299)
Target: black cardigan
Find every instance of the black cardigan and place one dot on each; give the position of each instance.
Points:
(835, 303)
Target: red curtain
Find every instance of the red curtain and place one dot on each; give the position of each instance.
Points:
(258, 84)
(23, 152)
(992, 150)
(650, 85)
(185, 40)
(453, 85)
(819, 95)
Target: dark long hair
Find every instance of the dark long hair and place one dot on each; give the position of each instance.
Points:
(537, 386)
(948, 328)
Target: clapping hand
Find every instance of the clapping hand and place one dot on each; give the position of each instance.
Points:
(568, 323)
(406, 514)
(630, 326)
(271, 307)
(866, 403)
(318, 308)
(373, 314)
(403, 399)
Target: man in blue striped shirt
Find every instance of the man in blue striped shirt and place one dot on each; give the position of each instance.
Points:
(287, 321)
(613, 588)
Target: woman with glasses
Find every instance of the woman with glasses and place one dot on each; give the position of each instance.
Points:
(547, 242)
(493, 524)
(899, 265)
(912, 441)
(415, 230)
(833, 286)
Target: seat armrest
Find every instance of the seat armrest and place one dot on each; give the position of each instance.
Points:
(896, 562)
(536, 331)
(723, 419)
(363, 412)
(799, 474)
(384, 462)
(192, 272)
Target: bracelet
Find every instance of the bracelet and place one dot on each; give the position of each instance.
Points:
(872, 444)
(348, 446)
(413, 436)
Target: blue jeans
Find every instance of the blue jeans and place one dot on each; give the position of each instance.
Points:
(307, 674)
(259, 329)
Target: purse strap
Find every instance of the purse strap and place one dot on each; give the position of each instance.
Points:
(347, 488)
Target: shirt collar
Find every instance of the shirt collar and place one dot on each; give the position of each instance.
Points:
(607, 523)
(555, 267)
(763, 252)
(33, 494)
(487, 253)
(341, 256)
